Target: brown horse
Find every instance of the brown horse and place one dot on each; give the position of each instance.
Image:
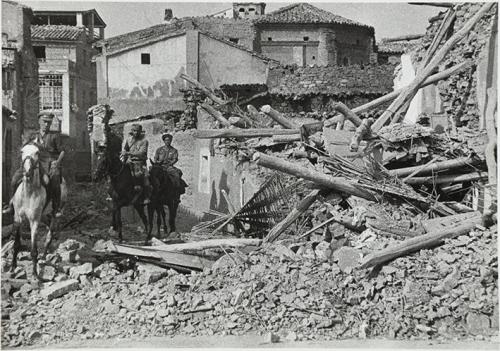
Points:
(164, 194)
(122, 188)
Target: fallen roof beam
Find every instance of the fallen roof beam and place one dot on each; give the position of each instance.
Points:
(391, 96)
(435, 167)
(435, 4)
(242, 133)
(470, 177)
(335, 183)
(402, 38)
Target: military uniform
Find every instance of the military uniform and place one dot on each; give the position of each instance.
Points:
(166, 157)
(137, 155)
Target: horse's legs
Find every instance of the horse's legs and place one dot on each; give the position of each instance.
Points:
(158, 210)
(161, 213)
(34, 249)
(151, 212)
(140, 210)
(16, 231)
(49, 237)
(118, 222)
(172, 213)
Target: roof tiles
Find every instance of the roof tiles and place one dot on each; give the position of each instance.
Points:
(56, 32)
(305, 13)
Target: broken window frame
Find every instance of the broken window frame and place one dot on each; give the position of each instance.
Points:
(51, 91)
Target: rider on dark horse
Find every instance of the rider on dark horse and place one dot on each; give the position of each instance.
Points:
(50, 158)
(135, 154)
(166, 157)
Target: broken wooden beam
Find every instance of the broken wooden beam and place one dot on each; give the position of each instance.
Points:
(205, 90)
(251, 98)
(410, 91)
(425, 241)
(278, 117)
(335, 183)
(216, 114)
(344, 220)
(391, 96)
(362, 132)
(347, 113)
(436, 167)
(208, 244)
(438, 38)
(403, 37)
(419, 170)
(152, 253)
(453, 178)
(435, 4)
(286, 138)
(242, 133)
(299, 209)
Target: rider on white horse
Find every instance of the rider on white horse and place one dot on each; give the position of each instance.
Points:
(51, 155)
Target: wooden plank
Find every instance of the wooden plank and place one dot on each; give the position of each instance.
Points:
(425, 241)
(216, 114)
(179, 259)
(459, 162)
(205, 90)
(278, 117)
(299, 209)
(242, 133)
(335, 183)
(207, 244)
(440, 223)
(454, 178)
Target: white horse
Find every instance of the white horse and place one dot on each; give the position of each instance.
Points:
(30, 201)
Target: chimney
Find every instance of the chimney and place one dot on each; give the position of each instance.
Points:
(168, 15)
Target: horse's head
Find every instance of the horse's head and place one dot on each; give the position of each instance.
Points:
(29, 156)
(102, 163)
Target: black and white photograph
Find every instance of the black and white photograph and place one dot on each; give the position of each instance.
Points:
(318, 175)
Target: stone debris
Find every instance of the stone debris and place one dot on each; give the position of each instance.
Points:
(59, 289)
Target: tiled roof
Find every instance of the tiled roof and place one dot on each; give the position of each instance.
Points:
(143, 36)
(305, 13)
(56, 32)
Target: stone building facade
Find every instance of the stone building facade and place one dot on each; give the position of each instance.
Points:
(19, 86)
(67, 78)
(303, 34)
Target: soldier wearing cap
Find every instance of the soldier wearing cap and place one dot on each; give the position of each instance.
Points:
(135, 154)
(167, 156)
(50, 158)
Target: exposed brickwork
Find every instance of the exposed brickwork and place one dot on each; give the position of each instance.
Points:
(228, 28)
(331, 80)
(458, 92)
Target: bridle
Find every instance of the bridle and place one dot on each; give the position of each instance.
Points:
(107, 166)
(34, 164)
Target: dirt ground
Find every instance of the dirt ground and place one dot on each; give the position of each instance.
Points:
(258, 341)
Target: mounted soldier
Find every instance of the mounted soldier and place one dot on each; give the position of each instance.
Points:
(135, 154)
(50, 159)
(166, 157)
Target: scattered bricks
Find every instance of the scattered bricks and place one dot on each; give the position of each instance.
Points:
(347, 258)
(68, 256)
(291, 336)
(103, 245)
(271, 338)
(69, 245)
(61, 277)
(477, 323)
(171, 301)
(323, 251)
(47, 273)
(150, 274)
(85, 281)
(76, 272)
(60, 288)
(239, 294)
(53, 259)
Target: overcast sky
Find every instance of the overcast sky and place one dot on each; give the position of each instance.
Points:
(390, 19)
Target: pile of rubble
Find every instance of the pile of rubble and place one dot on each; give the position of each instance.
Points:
(296, 291)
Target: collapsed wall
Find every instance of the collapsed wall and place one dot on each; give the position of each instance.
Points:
(458, 93)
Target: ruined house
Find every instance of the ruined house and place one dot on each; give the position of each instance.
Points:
(19, 86)
(62, 41)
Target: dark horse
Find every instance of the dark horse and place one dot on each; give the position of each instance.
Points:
(163, 194)
(122, 187)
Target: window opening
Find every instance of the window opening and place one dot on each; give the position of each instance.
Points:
(306, 38)
(39, 53)
(269, 39)
(145, 59)
(50, 91)
(234, 40)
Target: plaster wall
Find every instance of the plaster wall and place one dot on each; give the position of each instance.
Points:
(221, 63)
(128, 78)
(404, 77)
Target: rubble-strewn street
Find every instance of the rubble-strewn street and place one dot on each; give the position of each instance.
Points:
(318, 186)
